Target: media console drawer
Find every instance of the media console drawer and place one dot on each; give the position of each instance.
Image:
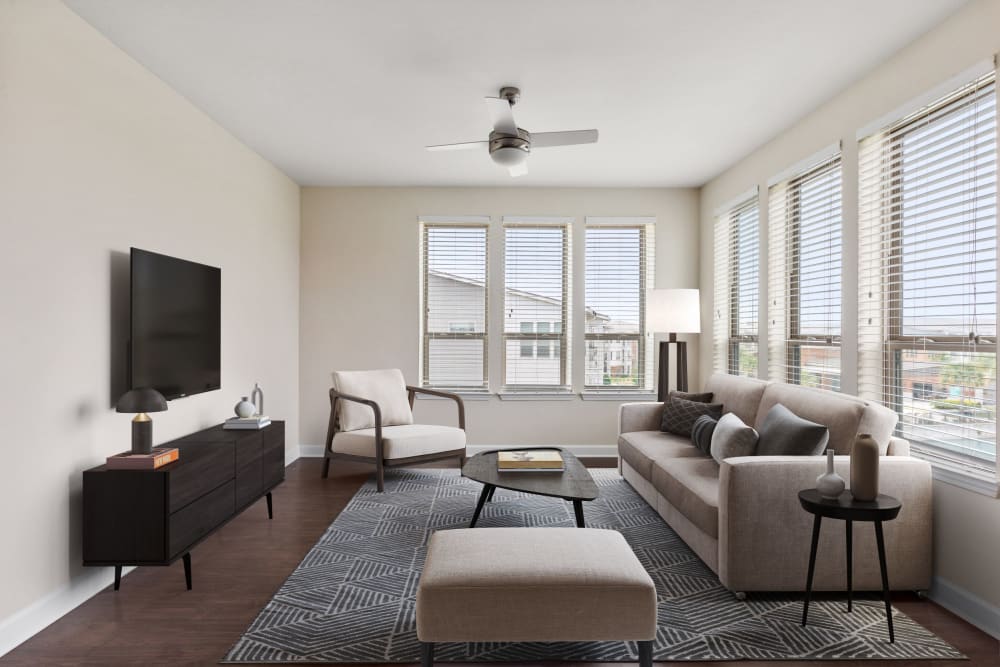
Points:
(199, 518)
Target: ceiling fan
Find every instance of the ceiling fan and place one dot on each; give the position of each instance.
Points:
(509, 144)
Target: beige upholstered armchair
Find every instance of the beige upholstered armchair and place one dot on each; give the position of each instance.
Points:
(371, 420)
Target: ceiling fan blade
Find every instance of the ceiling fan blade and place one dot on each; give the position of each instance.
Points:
(459, 147)
(518, 170)
(501, 115)
(569, 138)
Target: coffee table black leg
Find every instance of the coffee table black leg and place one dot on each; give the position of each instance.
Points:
(483, 495)
(578, 510)
(489, 498)
(880, 541)
(850, 562)
(817, 520)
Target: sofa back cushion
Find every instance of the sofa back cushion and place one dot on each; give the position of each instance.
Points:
(386, 387)
(739, 395)
(841, 414)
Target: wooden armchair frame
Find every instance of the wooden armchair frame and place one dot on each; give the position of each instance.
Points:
(381, 463)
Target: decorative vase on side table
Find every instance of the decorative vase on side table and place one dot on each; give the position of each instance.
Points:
(830, 484)
(864, 468)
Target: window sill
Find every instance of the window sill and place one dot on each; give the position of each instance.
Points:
(621, 396)
(954, 473)
(464, 395)
(536, 395)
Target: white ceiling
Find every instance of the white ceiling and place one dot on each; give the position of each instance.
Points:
(348, 92)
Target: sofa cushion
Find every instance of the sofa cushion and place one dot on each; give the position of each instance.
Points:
(783, 433)
(691, 485)
(386, 387)
(732, 438)
(701, 434)
(739, 395)
(841, 414)
(641, 448)
(400, 442)
(680, 414)
(880, 422)
(703, 397)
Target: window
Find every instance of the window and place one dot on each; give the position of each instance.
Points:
(804, 267)
(737, 259)
(927, 298)
(536, 299)
(455, 295)
(618, 270)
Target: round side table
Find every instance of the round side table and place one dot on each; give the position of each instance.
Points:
(846, 508)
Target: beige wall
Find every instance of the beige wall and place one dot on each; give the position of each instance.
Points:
(967, 525)
(99, 155)
(360, 292)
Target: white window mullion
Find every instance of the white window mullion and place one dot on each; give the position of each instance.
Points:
(737, 290)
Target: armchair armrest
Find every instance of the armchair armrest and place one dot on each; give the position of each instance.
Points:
(412, 391)
(764, 534)
(331, 428)
(639, 417)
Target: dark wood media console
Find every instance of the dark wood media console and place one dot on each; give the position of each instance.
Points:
(133, 517)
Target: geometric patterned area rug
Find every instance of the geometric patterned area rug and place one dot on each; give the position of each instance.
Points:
(352, 597)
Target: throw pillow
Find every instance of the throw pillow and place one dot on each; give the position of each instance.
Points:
(385, 387)
(705, 397)
(679, 415)
(783, 433)
(701, 433)
(732, 438)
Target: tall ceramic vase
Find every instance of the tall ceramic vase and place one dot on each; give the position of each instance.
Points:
(830, 484)
(864, 468)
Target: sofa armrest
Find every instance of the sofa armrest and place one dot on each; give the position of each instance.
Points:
(639, 417)
(764, 534)
(898, 447)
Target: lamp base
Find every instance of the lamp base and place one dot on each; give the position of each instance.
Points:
(142, 434)
(663, 381)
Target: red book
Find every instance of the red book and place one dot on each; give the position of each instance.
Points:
(160, 456)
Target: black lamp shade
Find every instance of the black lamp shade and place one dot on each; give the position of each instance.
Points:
(143, 399)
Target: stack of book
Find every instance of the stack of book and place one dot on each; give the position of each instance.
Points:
(535, 460)
(243, 423)
(160, 456)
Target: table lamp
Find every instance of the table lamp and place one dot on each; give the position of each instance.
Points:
(140, 402)
(672, 311)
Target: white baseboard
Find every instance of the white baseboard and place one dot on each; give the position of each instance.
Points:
(969, 606)
(34, 618)
(316, 451)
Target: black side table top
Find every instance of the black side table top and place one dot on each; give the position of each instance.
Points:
(883, 508)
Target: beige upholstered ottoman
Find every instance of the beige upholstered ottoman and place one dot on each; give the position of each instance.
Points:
(533, 585)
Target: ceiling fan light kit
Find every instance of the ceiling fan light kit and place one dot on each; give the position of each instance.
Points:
(509, 145)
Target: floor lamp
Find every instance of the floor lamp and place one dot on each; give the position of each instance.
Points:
(672, 312)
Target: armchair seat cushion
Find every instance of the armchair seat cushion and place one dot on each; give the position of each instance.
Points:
(400, 442)
(640, 448)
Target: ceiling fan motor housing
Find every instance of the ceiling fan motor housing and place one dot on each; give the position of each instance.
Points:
(508, 150)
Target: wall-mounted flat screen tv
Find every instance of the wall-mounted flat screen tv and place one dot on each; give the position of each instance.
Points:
(176, 325)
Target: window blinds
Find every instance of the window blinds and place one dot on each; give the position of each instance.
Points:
(737, 269)
(928, 263)
(619, 268)
(804, 277)
(455, 297)
(536, 298)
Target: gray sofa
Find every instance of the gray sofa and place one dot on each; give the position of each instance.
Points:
(743, 518)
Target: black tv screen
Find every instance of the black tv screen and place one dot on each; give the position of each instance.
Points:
(176, 325)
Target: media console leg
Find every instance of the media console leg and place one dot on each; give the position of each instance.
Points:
(270, 507)
(187, 570)
(118, 576)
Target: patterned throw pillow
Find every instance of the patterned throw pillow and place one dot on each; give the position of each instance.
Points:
(679, 415)
(701, 434)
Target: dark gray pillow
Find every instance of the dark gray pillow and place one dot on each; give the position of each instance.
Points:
(679, 415)
(705, 397)
(701, 433)
(784, 433)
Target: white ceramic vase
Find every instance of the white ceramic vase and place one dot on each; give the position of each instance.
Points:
(245, 408)
(830, 484)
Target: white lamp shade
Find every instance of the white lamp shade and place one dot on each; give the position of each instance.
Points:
(673, 311)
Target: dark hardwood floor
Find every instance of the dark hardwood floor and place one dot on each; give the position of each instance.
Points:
(154, 620)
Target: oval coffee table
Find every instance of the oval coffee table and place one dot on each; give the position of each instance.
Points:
(574, 483)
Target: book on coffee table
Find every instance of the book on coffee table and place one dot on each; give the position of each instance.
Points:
(521, 460)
